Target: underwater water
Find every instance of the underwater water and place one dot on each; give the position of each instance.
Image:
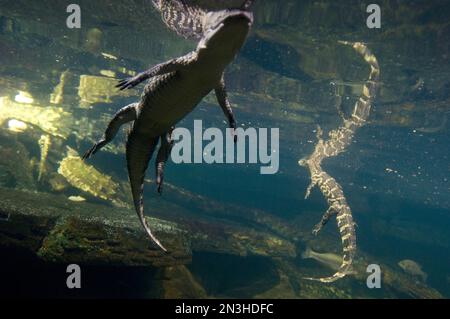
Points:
(230, 231)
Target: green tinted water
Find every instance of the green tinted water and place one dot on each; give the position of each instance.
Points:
(245, 232)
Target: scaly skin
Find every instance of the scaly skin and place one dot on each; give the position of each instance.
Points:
(174, 89)
(337, 143)
(187, 20)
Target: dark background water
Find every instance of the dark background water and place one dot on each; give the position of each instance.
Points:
(395, 174)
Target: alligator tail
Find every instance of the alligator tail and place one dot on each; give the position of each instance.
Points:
(139, 153)
(348, 235)
(372, 84)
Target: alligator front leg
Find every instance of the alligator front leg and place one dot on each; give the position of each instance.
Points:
(222, 98)
(162, 157)
(325, 218)
(159, 69)
(310, 187)
(124, 115)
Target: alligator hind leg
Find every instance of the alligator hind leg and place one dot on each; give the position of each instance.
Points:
(222, 98)
(325, 218)
(162, 157)
(124, 115)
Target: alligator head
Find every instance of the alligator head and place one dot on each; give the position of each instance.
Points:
(224, 33)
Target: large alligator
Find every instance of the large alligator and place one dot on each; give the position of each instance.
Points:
(187, 20)
(337, 143)
(176, 87)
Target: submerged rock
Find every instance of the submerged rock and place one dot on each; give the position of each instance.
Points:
(57, 182)
(58, 230)
(96, 89)
(52, 120)
(413, 268)
(283, 290)
(211, 236)
(179, 283)
(15, 166)
(44, 144)
(88, 179)
(57, 96)
(77, 198)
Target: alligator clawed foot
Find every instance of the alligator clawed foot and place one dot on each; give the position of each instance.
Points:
(130, 83)
(93, 150)
(89, 152)
(159, 183)
(316, 229)
(126, 84)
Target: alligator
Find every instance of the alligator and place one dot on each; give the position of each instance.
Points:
(337, 143)
(175, 88)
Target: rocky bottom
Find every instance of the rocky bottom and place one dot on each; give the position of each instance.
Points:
(41, 234)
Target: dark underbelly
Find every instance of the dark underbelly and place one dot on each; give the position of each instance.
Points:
(167, 102)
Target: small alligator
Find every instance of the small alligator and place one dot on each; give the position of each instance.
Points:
(175, 88)
(337, 143)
